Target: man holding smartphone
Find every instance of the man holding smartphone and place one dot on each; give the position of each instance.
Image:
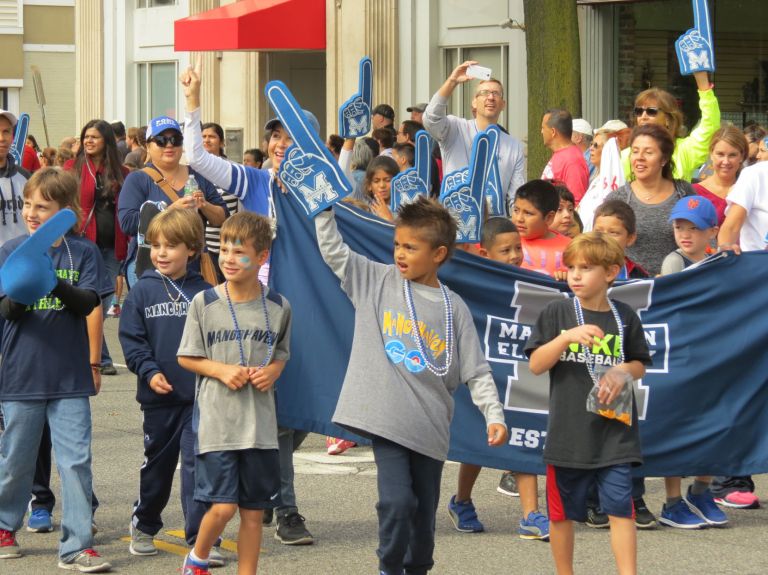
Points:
(455, 134)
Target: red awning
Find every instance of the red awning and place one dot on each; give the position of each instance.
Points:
(255, 25)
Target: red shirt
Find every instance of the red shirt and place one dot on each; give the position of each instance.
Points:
(29, 159)
(568, 166)
(545, 255)
(716, 200)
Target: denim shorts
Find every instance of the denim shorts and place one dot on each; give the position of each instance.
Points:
(248, 477)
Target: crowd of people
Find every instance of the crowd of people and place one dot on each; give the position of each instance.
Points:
(615, 203)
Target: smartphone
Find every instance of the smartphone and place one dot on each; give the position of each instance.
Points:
(479, 72)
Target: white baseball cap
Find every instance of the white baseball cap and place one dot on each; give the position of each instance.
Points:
(10, 117)
(582, 126)
(612, 126)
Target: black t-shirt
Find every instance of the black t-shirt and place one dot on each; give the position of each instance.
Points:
(576, 437)
(104, 214)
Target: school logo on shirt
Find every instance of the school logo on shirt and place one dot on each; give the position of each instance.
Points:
(398, 325)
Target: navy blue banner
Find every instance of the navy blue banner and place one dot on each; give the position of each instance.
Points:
(703, 405)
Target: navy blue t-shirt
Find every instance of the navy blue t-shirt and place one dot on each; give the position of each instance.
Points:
(45, 352)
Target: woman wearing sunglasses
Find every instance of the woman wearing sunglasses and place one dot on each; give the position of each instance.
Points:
(657, 106)
(164, 169)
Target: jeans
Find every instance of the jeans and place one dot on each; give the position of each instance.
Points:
(112, 268)
(289, 441)
(409, 491)
(70, 422)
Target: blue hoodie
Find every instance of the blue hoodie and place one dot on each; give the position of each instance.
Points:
(151, 326)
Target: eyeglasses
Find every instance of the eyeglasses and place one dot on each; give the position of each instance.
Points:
(486, 93)
(174, 140)
(595, 145)
(651, 111)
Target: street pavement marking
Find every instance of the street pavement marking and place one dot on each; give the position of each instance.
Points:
(227, 544)
(180, 550)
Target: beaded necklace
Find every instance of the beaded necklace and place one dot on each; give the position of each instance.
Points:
(181, 294)
(60, 306)
(416, 335)
(587, 350)
(238, 333)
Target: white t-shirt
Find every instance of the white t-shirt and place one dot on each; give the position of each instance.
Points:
(751, 193)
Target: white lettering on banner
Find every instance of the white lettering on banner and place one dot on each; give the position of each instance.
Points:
(530, 438)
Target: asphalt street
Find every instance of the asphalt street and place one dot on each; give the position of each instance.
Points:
(337, 496)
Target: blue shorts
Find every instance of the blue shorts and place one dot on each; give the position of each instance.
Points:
(249, 477)
(567, 490)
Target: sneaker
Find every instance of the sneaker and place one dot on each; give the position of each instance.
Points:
(464, 516)
(108, 370)
(644, 519)
(9, 549)
(704, 506)
(39, 521)
(680, 516)
(192, 567)
(739, 500)
(87, 561)
(269, 514)
(508, 484)
(291, 530)
(216, 557)
(535, 526)
(114, 310)
(596, 519)
(141, 543)
(336, 446)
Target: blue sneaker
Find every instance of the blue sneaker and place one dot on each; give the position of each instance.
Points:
(680, 516)
(39, 521)
(192, 567)
(705, 507)
(535, 526)
(464, 516)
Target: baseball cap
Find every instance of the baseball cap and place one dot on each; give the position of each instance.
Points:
(695, 209)
(417, 107)
(384, 110)
(160, 124)
(582, 126)
(8, 116)
(310, 118)
(612, 126)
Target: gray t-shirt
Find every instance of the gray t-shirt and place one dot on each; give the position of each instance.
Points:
(655, 236)
(229, 420)
(388, 391)
(576, 437)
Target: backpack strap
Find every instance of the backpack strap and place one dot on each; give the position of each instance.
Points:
(161, 182)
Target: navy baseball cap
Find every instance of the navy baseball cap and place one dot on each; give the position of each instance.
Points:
(160, 124)
(695, 209)
(310, 118)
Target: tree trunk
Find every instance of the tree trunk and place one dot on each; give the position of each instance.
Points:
(554, 69)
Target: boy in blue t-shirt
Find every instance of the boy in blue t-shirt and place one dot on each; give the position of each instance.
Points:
(151, 326)
(236, 339)
(55, 390)
(573, 339)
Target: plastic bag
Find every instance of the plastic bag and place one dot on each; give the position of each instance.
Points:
(621, 407)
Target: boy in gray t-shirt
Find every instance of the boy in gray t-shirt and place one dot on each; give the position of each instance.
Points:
(399, 383)
(236, 339)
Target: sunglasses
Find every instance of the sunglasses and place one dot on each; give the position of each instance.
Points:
(174, 140)
(651, 111)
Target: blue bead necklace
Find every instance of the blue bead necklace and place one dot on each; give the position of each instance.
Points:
(238, 333)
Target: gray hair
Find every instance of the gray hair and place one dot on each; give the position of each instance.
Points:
(361, 155)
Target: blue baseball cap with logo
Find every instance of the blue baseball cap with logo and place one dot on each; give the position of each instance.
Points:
(160, 124)
(695, 209)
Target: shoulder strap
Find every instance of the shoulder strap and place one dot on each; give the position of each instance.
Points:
(161, 182)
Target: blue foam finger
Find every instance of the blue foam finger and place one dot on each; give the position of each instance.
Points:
(20, 138)
(423, 156)
(493, 191)
(701, 19)
(309, 171)
(355, 113)
(695, 51)
(28, 274)
(413, 182)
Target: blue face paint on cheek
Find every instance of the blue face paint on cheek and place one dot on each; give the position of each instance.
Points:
(245, 262)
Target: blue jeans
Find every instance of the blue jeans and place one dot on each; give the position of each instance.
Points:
(289, 441)
(112, 267)
(70, 423)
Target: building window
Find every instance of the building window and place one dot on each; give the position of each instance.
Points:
(155, 3)
(494, 57)
(4, 98)
(157, 90)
